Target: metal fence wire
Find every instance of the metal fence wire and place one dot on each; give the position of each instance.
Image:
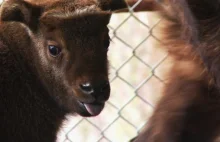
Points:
(137, 67)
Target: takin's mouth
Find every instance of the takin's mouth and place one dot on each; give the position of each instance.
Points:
(93, 108)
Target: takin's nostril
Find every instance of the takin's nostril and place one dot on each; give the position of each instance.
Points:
(87, 88)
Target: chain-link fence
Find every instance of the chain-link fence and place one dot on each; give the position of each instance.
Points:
(137, 68)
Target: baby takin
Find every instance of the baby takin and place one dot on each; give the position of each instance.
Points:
(53, 62)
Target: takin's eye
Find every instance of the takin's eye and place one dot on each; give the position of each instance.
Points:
(54, 50)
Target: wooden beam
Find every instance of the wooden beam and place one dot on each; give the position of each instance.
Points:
(144, 5)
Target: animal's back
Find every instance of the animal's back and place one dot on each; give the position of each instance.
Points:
(189, 108)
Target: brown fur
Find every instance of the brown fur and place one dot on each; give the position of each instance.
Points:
(37, 89)
(189, 108)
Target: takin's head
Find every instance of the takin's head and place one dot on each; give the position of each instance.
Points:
(70, 44)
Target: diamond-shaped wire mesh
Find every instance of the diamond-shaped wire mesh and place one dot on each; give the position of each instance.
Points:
(136, 73)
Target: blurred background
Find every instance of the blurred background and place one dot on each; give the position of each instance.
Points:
(138, 66)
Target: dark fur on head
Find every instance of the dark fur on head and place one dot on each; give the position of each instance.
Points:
(53, 61)
(189, 108)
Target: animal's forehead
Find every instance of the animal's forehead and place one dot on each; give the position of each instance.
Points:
(85, 16)
(86, 24)
(73, 6)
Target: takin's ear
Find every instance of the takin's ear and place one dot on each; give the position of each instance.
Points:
(50, 20)
(112, 5)
(19, 11)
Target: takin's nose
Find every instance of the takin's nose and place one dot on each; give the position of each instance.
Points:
(99, 90)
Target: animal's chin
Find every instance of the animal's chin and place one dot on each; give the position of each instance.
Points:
(90, 109)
